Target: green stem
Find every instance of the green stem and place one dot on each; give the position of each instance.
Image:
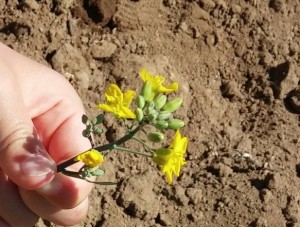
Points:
(142, 142)
(132, 151)
(61, 167)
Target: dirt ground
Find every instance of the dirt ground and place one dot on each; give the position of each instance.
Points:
(237, 62)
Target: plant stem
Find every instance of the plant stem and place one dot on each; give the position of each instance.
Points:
(61, 167)
(142, 142)
(132, 151)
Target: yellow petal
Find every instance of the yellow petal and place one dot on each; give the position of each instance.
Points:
(125, 112)
(128, 96)
(105, 107)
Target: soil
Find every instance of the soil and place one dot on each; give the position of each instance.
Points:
(237, 62)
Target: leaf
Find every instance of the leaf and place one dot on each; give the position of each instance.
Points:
(97, 172)
(97, 130)
(98, 120)
(86, 133)
(84, 119)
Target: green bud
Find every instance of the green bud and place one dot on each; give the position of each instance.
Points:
(163, 115)
(150, 109)
(147, 91)
(175, 124)
(152, 117)
(139, 114)
(161, 125)
(173, 105)
(160, 101)
(155, 137)
(151, 105)
(140, 101)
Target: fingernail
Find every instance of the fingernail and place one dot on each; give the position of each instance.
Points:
(53, 188)
(37, 165)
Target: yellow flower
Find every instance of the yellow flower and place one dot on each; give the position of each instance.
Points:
(92, 158)
(157, 83)
(172, 158)
(118, 102)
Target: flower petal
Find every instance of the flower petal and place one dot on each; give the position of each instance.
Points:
(128, 96)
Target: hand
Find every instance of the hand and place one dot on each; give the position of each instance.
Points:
(40, 125)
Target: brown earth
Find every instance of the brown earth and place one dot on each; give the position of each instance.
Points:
(237, 62)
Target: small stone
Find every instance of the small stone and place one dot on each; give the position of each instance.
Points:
(184, 27)
(236, 9)
(225, 171)
(194, 194)
(83, 78)
(266, 195)
(208, 4)
(69, 59)
(294, 100)
(165, 220)
(180, 196)
(84, 39)
(196, 216)
(31, 4)
(104, 50)
(199, 13)
(210, 40)
(72, 26)
(267, 58)
(275, 181)
(278, 5)
(261, 222)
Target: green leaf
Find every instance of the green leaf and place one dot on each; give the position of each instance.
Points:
(84, 119)
(86, 133)
(97, 130)
(97, 172)
(98, 120)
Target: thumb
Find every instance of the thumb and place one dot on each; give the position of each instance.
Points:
(22, 155)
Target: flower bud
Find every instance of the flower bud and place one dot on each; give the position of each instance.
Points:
(163, 115)
(147, 91)
(175, 124)
(139, 114)
(155, 137)
(140, 101)
(161, 125)
(152, 117)
(173, 105)
(150, 109)
(160, 101)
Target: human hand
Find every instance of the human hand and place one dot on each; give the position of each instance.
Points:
(39, 126)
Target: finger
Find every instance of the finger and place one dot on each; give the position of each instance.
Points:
(23, 156)
(66, 142)
(56, 110)
(12, 209)
(53, 213)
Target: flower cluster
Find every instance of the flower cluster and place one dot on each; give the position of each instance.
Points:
(152, 108)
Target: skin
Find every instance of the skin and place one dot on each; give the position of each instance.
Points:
(40, 114)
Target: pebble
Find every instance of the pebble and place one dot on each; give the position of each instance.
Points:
(294, 100)
(183, 26)
(278, 5)
(261, 222)
(104, 50)
(208, 4)
(31, 4)
(194, 194)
